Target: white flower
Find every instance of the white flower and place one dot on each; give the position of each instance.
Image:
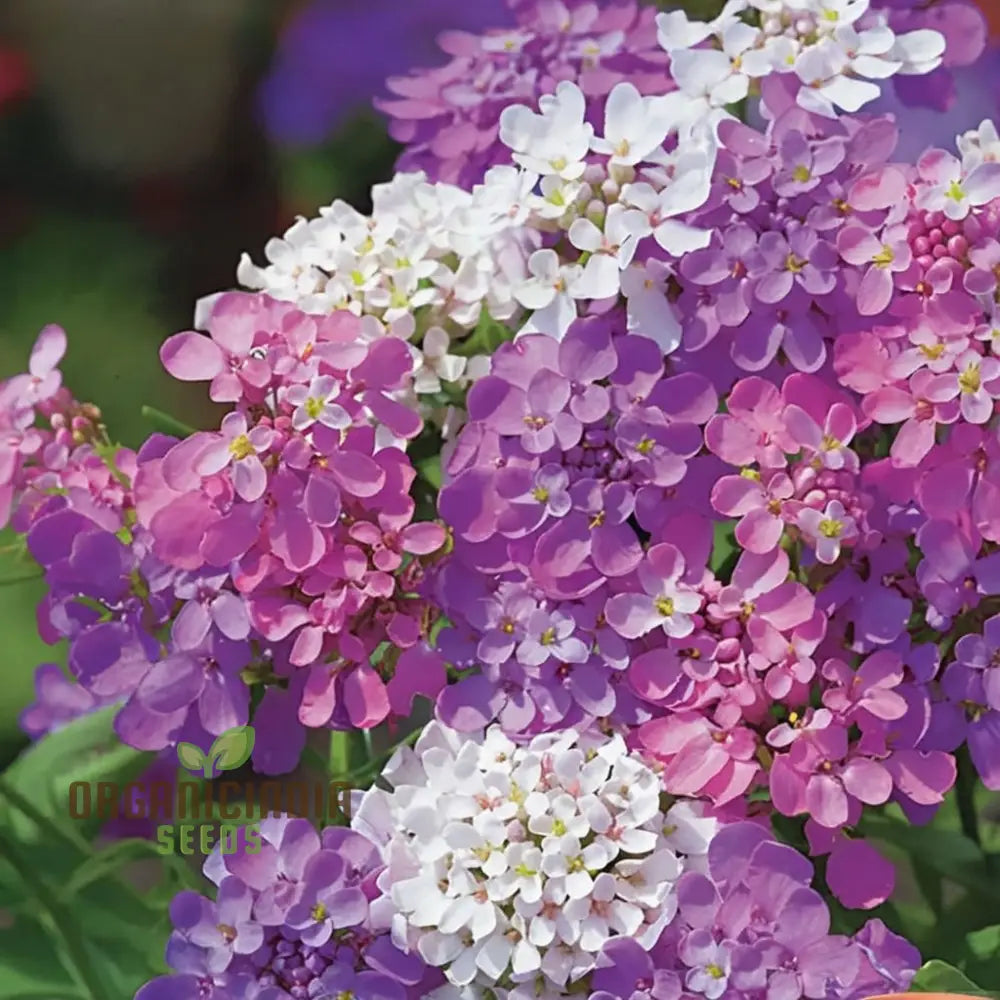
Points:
(509, 863)
(550, 291)
(718, 77)
(956, 193)
(919, 51)
(826, 69)
(635, 125)
(977, 146)
(553, 142)
(648, 309)
(434, 364)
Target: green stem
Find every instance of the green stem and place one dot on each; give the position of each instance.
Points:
(370, 768)
(965, 788)
(167, 424)
(72, 941)
(347, 747)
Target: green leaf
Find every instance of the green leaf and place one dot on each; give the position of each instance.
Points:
(86, 750)
(28, 966)
(984, 943)
(945, 852)
(430, 470)
(67, 931)
(191, 757)
(231, 750)
(488, 335)
(725, 550)
(936, 976)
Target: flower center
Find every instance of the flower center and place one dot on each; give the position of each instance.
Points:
(794, 264)
(802, 174)
(969, 381)
(884, 257)
(540, 493)
(830, 528)
(715, 971)
(314, 407)
(241, 447)
(955, 191)
(665, 606)
(547, 637)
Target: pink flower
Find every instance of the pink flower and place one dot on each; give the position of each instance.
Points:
(975, 383)
(227, 357)
(759, 503)
(747, 432)
(819, 776)
(702, 759)
(919, 407)
(868, 689)
(827, 530)
(883, 257)
(239, 447)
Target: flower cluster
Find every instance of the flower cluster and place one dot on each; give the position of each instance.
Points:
(574, 453)
(715, 406)
(521, 871)
(750, 925)
(833, 48)
(447, 116)
(279, 552)
(293, 918)
(512, 866)
(424, 268)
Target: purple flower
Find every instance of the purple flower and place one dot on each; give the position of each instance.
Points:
(325, 903)
(665, 602)
(750, 925)
(550, 634)
(783, 260)
(268, 935)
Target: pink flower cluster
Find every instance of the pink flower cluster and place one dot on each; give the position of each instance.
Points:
(306, 523)
(278, 555)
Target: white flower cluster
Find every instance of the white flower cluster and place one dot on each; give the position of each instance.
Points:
(423, 266)
(511, 866)
(835, 47)
(432, 257)
(606, 194)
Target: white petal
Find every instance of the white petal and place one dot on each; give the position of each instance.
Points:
(678, 238)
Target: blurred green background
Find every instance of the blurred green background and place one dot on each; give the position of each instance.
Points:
(133, 172)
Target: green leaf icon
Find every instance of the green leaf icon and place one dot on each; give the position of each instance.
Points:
(191, 757)
(230, 750)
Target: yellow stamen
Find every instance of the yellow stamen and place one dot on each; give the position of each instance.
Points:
(969, 381)
(241, 447)
(665, 606)
(830, 528)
